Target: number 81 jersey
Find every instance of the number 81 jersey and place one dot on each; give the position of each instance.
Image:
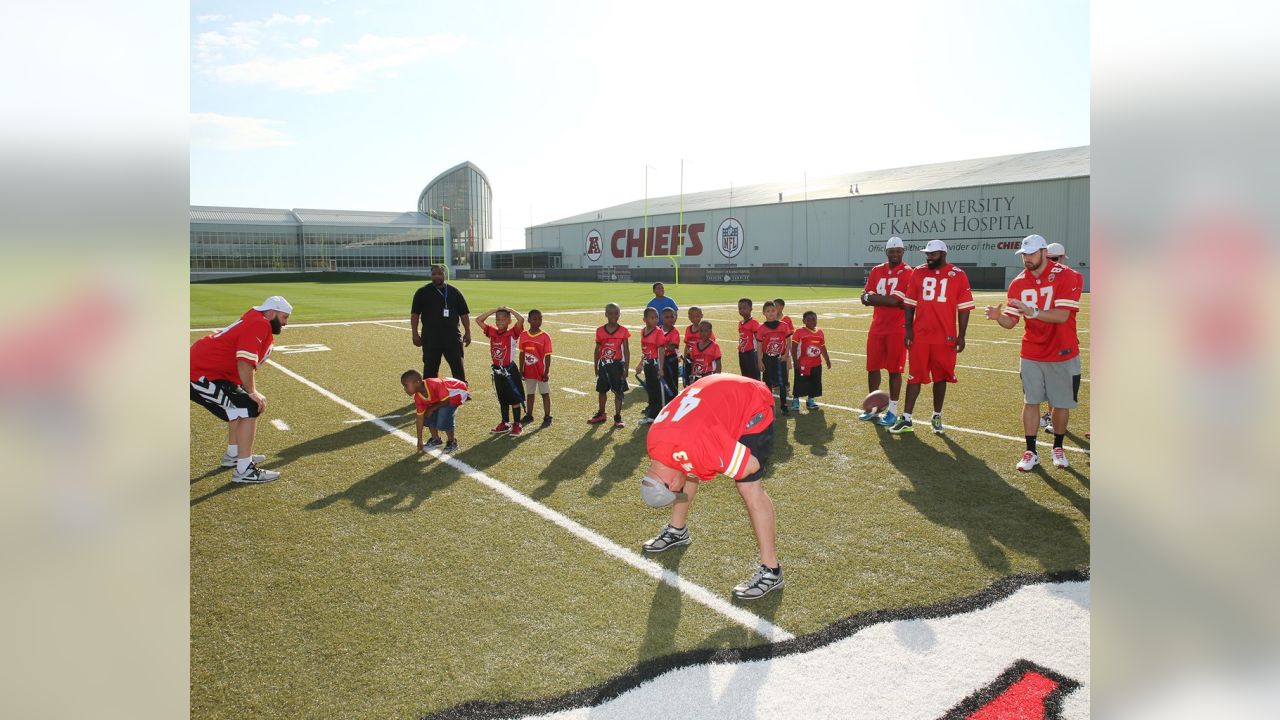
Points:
(697, 432)
(937, 296)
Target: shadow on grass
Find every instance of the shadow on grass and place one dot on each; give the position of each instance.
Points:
(399, 487)
(1080, 502)
(348, 436)
(963, 493)
(225, 487)
(573, 461)
(628, 458)
(812, 429)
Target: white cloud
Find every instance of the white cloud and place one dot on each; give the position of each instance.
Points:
(210, 18)
(229, 132)
(309, 42)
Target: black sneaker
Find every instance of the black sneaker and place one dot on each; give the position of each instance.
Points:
(902, 426)
(546, 421)
(760, 584)
(433, 443)
(526, 419)
(451, 446)
(668, 539)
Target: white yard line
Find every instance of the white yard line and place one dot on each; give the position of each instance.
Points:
(572, 391)
(280, 424)
(384, 417)
(693, 590)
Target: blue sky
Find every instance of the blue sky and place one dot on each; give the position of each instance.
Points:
(563, 104)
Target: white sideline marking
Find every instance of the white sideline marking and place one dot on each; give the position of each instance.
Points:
(571, 390)
(572, 359)
(695, 591)
(384, 417)
(280, 424)
(397, 327)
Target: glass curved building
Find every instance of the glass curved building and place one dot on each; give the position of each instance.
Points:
(462, 197)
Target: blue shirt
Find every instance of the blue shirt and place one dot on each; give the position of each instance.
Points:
(662, 303)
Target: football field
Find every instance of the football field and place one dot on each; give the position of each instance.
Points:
(371, 581)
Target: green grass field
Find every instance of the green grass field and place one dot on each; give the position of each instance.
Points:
(370, 581)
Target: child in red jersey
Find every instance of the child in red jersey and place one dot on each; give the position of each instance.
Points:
(435, 402)
(654, 348)
(691, 337)
(671, 366)
(748, 347)
(535, 368)
(782, 314)
(775, 341)
(504, 345)
(809, 349)
(613, 351)
(704, 355)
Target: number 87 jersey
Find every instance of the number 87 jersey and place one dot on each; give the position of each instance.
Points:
(698, 432)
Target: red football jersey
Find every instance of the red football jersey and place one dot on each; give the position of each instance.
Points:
(503, 344)
(653, 343)
(773, 340)
(747, 334)
(249, 338)
(884, 280)
(691, 337)
(810, 344)
(701, 358)
(1057, 287)
(697, 432)
(438, 389)
(611, 343)
(786, 320)
(937, 295)
(534, 349)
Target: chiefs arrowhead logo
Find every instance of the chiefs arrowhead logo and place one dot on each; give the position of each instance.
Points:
(1025, 691)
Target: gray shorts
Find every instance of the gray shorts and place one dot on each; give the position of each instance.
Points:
(1049, 381)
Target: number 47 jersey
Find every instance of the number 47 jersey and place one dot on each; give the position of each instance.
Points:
(697, 432)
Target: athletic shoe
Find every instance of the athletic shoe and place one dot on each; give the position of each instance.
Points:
(1060, 458)
(760, 584)
(795, 403)
(546, 421)
(646, 420)
(230, 460)
(868, 415)
(254, 474)
(887, 419)
(597, 419)
(433, 443)
(526, 419)
(1046, 422)
(902, 425)
(517, 429)
(811, 404)
(451, 446)
(1028, 461)
(668, 539)
(501, 428)
(617, 421)
(936, 422)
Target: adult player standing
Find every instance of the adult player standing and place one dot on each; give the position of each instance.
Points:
(1047, 296)
(937, 299)
(721, 424)
(885, 347)
(1058, 254)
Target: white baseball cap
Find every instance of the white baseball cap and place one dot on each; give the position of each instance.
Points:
(1030, 244)
(935, 246)
(277, 303)
(894, 242)
(1056, 250)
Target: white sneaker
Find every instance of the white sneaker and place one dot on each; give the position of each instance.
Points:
(1028, 461)
(230, 460)
(254, 474)
(646, 420)
(1060, 458)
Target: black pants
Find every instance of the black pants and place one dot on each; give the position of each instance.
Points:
(660, 392)
(452, 354)
(775, 376)
(747, 363)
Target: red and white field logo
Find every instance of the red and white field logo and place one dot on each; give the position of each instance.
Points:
(593, 246)
(730, 238)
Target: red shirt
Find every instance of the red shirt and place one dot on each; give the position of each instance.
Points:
(747, 334)
(438, 389)
(611, 342)
(653, 343)
(773, 340)
(786, 320)
(810, 343)
(534, 350)
(884, 280)
(673, 342)
(249, 338)
(937, 295)
(1057, 287)
(697, 432)
(503, 344)
(702, 358)
(691, 337)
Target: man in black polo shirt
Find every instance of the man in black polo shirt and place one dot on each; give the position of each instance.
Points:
(440, 306)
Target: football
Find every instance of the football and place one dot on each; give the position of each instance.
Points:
(875, 401)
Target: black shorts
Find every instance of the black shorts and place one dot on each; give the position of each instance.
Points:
(226, 400)
(612, 376)
(775, 371)
(761, 445)
(808, 385)
(747, 362)
(506, 382)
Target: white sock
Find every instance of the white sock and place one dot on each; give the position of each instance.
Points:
(233, 450)
(893, 406)
(937, 414)
(242, 464)
(906, 417)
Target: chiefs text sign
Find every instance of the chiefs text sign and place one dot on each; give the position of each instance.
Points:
(661, 240)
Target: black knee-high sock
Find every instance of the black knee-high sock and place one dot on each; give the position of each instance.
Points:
(506, 412)
(1031, 443)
